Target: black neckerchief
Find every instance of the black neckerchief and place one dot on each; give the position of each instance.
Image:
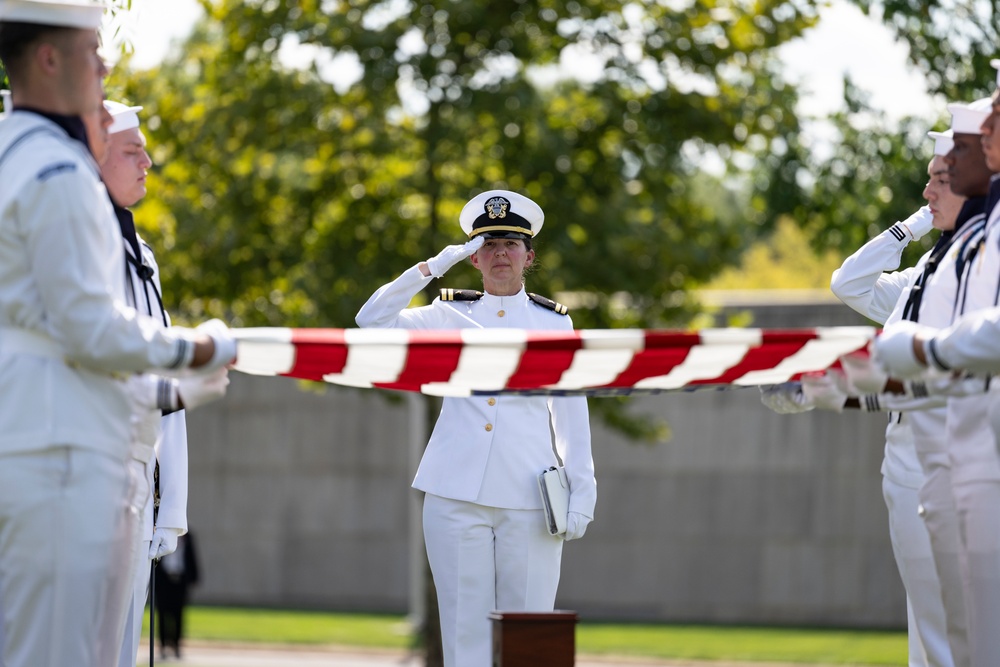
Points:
(972, 207)
(993, 196)
(127, 224)
(72, 124)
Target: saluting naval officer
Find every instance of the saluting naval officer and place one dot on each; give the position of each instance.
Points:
(67, 339)
(484, 529)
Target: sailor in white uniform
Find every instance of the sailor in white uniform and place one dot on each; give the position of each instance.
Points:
(903, 350)
(67, 340)
(160, 437)
(915, 468)
(486, 537)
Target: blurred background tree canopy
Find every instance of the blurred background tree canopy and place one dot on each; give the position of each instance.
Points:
(309, 151)
(285, 195)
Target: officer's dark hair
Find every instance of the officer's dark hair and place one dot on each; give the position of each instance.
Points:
(16, 40)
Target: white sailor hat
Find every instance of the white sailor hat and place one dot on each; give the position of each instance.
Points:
(943, 141)
(968, 118)
(501, 214)
(996, 65)
(86, 14)
(123, 117)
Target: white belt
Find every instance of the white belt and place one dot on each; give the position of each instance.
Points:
(24, 341)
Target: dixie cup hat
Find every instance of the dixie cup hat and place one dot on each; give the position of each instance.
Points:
(943, 141)
(83, 14)
(968, 118)
(123, 116)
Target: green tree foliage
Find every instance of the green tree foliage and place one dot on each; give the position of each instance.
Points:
(289, 200)
(951, 41)
(869, 176)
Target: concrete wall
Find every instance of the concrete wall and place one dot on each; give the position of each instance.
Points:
(300, 498)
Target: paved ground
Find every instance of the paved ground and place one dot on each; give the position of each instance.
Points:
(199, 654)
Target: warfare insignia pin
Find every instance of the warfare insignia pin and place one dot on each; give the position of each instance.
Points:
(497, 208)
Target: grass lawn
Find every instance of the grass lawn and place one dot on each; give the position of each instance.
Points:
(832, 647)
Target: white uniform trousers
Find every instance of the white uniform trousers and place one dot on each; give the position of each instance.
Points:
(485, 559)
(911, 545)
(120, 595)
(133, 620)
(61, 511)
(978, 505)
(937, 507)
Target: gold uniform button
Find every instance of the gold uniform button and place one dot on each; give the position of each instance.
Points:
(492, 401)
(489, 427)
(501, 313)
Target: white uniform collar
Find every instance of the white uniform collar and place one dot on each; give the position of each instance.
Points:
(505, 301)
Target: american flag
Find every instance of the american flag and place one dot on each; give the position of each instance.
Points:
(593, 362)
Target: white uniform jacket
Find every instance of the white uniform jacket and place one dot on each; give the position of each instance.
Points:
(489, 450)
(166, 436)
(64, 324)
(864, 283)
(969, 433)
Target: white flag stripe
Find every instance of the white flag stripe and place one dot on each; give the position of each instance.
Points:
(256, 357)
(263, 334)
(616, 339)
(747, 337)
(817, 353)
(594, 368)
(373, 355)
(703, 362)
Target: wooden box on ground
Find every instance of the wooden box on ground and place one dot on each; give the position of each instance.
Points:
(531, 639)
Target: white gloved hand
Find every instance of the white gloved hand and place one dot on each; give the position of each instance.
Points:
(164, 542)
(864, 376)
(576, 526)
(785, 398)
(196, 390)
(824, 391)
(920, 222)
(225, 345)
(439, 264)
(893, 349)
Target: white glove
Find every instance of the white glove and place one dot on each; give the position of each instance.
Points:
(864, 376)
(785, 398)
(196, 390)
(576, 526)
(920, 222)
(225, 344)
(152, 392)
(164, 542)
(439, 264)
(893, 349)
(824, 391)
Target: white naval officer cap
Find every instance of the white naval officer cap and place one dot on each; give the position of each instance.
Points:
(84, 14)
(497, 214)
(968, 118)
(943, 141)
(123, 117)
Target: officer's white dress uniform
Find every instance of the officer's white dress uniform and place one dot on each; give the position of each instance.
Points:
(864, 284)
(486, 539)
(64, 427)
